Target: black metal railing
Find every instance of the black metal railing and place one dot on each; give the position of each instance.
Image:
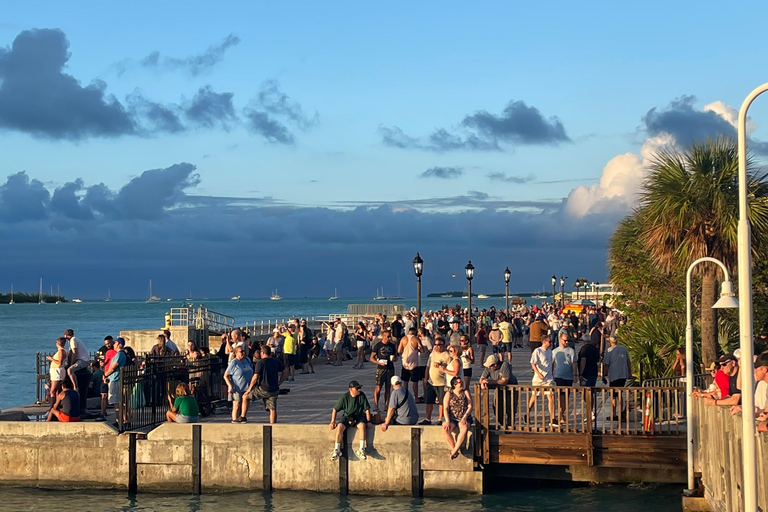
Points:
(145, 388)
(43, 379)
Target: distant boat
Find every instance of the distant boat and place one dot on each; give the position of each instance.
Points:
(335, 295)
(481, 296)
(447, 296)
(189, 299)
(40, 294)
(236, 297)
(275, 296)
(77, 300)
(168, 300)
(109, 296)
(58, 294)
(11, 295)
(381, 296)
(150, 297)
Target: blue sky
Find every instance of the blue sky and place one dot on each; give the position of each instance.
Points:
(308, 145)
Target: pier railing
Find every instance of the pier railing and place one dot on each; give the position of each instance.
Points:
(144, 388)
(700, 380)
(201, 318)
(43, 378)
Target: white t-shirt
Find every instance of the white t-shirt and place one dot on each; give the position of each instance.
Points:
(78, 347)
(616, 358)
(761, 395)
(563, 362)
(542, 360)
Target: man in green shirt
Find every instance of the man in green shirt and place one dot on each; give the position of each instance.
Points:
(357, 413)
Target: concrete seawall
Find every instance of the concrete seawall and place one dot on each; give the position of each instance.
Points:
(232, 458)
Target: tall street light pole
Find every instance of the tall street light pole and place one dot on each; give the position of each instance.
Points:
(554, 282)
(745, 314)
(507, 275)
(727, 300)
(470, 270)
(418, 268)
(562, 291)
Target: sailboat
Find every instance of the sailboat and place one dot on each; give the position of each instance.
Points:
(275, 296)
(542, 295)
(189, 297)
(236, 297)
(40, 294)
(109, 296)
(58, 294)
(150, 297)
(11, 295)
(335, 295)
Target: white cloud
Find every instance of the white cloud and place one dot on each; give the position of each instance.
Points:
(730, 114)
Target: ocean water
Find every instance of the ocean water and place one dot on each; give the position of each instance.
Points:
(545, 498)
(30, 328)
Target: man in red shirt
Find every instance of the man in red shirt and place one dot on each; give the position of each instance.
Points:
(105, 355)
(727, 393)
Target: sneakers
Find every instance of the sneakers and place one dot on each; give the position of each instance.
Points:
(360, 452)
(425, 422)
(101, 418)
(335, 455)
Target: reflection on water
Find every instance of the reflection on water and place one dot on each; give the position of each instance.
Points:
(620, 498)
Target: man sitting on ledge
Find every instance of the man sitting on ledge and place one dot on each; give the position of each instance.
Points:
(66, 409)
(357, 413)
(402, 406)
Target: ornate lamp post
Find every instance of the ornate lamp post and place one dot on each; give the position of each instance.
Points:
(507, 275)
(470, 270)
(418, 268)
(554, 282)
(562, 291)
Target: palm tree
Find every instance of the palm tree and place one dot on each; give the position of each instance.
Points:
(689, 209)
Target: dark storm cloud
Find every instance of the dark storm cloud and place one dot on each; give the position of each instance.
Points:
(38, 98)
(22, 199)
(193, 65)
(681, 120)
(444, 173)
(210, 109)
(65, 202)
(518, 124)
(502, 177)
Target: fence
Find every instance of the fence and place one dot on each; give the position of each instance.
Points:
(700, 380)
(563, 409)
(42, 369)
(144, 389)
(201, 318)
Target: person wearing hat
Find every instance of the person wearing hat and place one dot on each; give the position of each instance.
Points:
(727, 382)
(357, 414)
(401, 409)
(275, 343)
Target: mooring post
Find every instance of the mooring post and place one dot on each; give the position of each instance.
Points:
(344, 466)
(266, 457)
(132, 479)
(417, 476)
(197, 448)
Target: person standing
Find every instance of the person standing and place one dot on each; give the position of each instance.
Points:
(401, 408)
(565, 370)
(357, 414)
(541, 362)
(454, 335)
(436, 363)
(409, 350)
(304, 338)
(361, 338)
(170, 343)
(467, 360)
(237, 376)
(289, 349)
(384, 355)
(112, 373)
(57, 371)
(619, 369)
(420, 374)
(538, 331)
(268, 375)
(78, 357)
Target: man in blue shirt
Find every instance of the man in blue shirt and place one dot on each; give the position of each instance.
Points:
(112, 374)
(238, 377)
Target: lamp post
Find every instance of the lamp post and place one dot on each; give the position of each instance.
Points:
(727, 300)
(562, 291)
(507, 275)
(470, 270)
(745, 313)
(418, 267)
(554, 282)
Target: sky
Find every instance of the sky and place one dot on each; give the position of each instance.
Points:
(305, 146)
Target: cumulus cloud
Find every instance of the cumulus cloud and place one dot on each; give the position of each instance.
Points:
(444, 173)
(517, 124)
(23, 199)
(210, 109)
(271, 110)
(687, 124)
(503, 178)
(192, 65)
(38, 98)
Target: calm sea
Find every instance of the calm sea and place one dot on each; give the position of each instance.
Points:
(620, 498)
(30, 328)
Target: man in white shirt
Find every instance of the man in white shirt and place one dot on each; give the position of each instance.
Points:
(169, 343)
(541, 362)
(564, 369)
(616, 360)
(78, 357)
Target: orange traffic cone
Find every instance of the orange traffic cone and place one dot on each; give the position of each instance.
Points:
(648, 422)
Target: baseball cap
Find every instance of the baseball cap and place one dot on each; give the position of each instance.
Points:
(762, 360)
(491, 360)
(275, 330)
(395, 380)
(354, 384)
(726, 358)
(120, 341)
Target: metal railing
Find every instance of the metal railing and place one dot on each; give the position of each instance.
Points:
(43, 377)
(700, 380)
(144, 389)
(569, 409)
(202, 318)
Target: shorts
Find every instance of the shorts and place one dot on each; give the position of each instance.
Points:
(104, 388)
(78, 365)
(290, 359)
(360, 344)
(500, 348)
(304, 358)
(338, 347)
(467, 372)
(269, 397)
(67, 419)
(434, 394)
(183, 418)
(407, 375)
(418, 373)
(113, 392)
(590, 381)
(533, 345)
(455, 421)
(618, 383)
(483, 342)
(353, 421)
(58, 374)
(563, 382)
(384, 377)
(238, 397)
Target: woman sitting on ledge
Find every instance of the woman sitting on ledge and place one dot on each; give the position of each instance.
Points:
(184, 409)
(457, 407)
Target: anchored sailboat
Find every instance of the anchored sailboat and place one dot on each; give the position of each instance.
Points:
(335, 295)
(150, 297)
(275, 296)
(11, 295)
(109, 296)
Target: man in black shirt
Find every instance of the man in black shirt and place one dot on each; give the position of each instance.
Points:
(384, 355)
(398, 329)
(589, 357)
(268, 375)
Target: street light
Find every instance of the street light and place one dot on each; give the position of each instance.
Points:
(745, 314)
(562, 291)
(554, 282)
(727, 300)
(418, 268)
(507, 275)
(470, 270)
